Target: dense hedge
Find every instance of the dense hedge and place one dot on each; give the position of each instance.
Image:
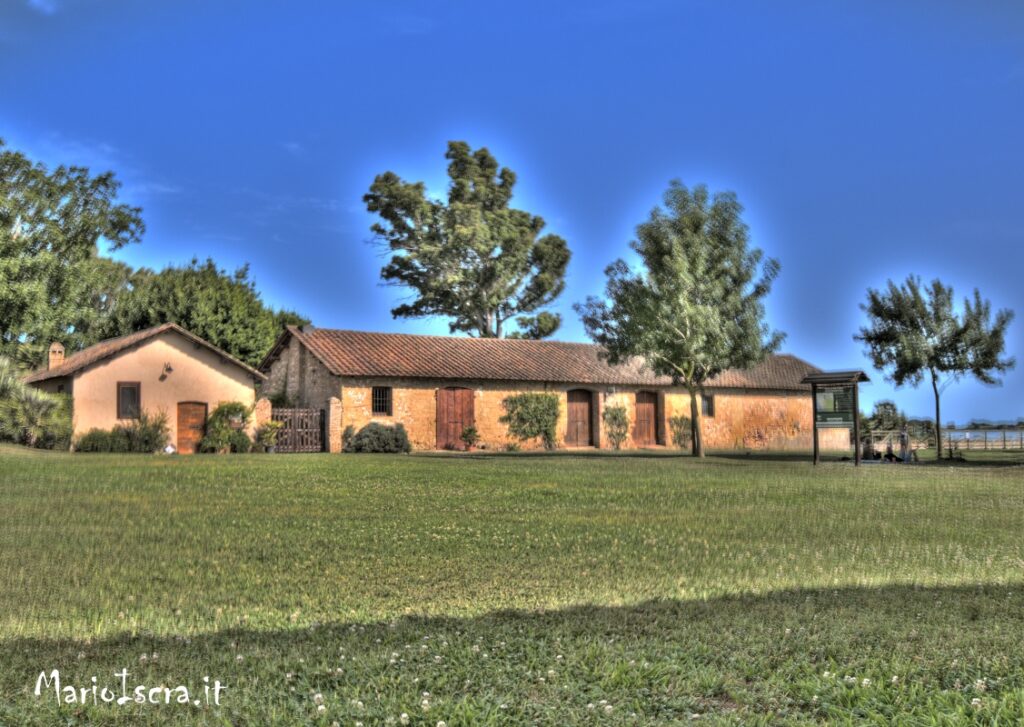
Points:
(146, 435)
(377, 437)
(532, 415)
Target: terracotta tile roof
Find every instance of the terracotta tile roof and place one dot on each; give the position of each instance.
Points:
(399, 355)
(111, 346)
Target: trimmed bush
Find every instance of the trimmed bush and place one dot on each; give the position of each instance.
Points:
(532, 415)
(616, 424)
(95, 440)
(377, 437)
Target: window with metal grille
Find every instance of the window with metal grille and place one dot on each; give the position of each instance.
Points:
(382, 400)
(707, 405)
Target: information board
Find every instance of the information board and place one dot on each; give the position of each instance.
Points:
(833, 406)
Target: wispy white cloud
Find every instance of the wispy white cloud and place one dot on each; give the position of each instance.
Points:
(46, 7)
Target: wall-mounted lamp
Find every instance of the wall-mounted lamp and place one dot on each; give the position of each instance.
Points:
(167, 370)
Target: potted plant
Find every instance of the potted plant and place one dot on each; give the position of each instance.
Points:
(266, 437)
(470, 437)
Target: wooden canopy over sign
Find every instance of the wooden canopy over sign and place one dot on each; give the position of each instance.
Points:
(835, 396)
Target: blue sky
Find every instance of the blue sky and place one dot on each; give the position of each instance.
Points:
(867, 140)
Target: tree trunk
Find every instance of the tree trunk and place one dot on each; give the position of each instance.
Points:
(697, 441)
(938, 419)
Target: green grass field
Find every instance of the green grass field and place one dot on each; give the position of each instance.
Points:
(557, 590)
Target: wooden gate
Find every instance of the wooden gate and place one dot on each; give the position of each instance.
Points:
(454, 414)
(645, 430)
(302, 430)
(579, 417)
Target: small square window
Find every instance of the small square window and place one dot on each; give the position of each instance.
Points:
(382, 400)
(707, 405)
(128, 399)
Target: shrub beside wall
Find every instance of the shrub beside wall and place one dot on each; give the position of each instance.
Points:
(532, 415)
(146, 435)
(225, 429)
(680, 426)
(616, 424)
(377, 437)
(29, 416)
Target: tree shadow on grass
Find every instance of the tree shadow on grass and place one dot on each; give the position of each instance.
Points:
(850, 654)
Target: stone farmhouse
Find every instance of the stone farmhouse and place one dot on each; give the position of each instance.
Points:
(436, 386)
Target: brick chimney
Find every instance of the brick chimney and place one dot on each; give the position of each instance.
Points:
(56, 355)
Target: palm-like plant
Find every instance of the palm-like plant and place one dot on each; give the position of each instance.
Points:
(27, 415)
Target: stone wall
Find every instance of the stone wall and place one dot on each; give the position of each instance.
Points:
(301, 378)
(743, 420)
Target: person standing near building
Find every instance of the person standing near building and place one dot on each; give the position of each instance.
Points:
(904, 444)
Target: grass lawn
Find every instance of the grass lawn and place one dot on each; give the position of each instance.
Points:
(524, 589)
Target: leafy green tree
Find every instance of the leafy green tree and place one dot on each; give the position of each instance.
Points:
(696, 307)
(886, 417)
(51, 225)
(914, 332)
(223, 308)
(471, 259)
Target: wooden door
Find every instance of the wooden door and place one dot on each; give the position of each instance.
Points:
(191, 425)
(579, 417)
(454, 414)
(646, 420)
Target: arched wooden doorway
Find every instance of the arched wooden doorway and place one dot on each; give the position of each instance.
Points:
(580, 416)
(645, 422)
(454, 414)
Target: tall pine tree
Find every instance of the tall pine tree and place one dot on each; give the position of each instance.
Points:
(471, 259)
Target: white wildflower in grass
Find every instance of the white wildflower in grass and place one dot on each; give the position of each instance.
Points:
(288, 676)
(442, 723)
(551, 672)
(321, 709)
(849, 679)
(814, 699)
(980, 685)
(425, 704)
(826, 674)
(976, 703)
(895, 680)
(403, 718)
(143, 659)
(318, 698)
(476, 648)
(81, 655)
(865, 683)
(155, 656)
(789, 631)
(558, 658)
(590, 706)
(239, 657)
(608, 708)
(425, 695)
